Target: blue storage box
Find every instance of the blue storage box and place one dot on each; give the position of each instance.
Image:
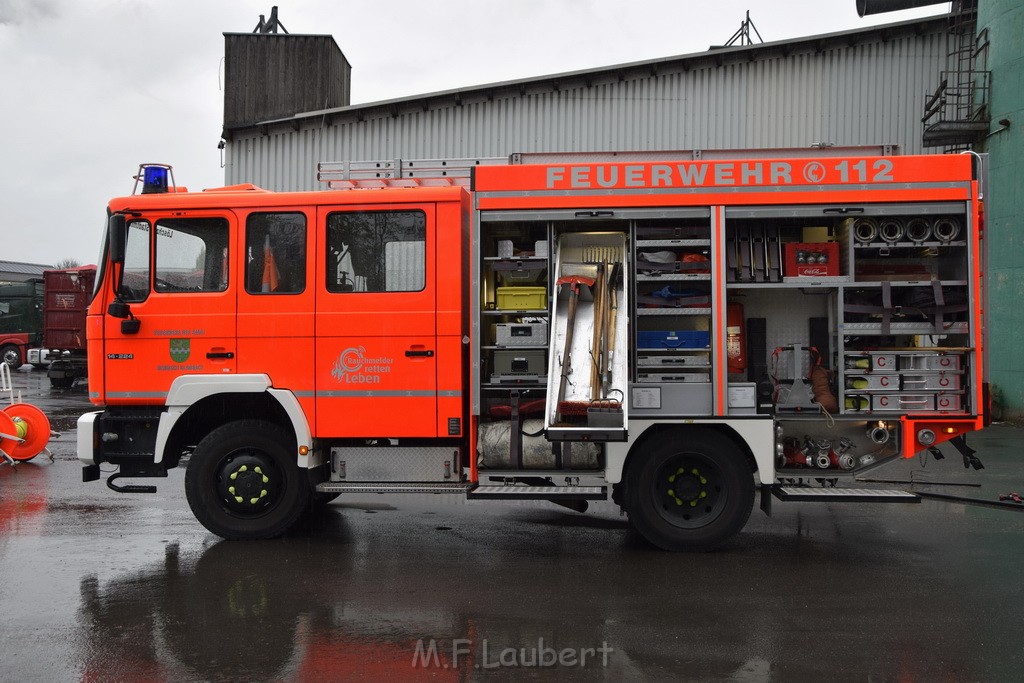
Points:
(671, 339)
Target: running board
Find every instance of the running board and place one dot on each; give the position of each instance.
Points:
(817, 494)
(391, 487)
(539, 493)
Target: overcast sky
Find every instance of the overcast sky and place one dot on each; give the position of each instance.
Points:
(91, 88)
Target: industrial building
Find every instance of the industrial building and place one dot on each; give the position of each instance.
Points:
(936, 85)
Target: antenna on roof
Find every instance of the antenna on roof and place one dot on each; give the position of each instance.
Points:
(742, 35)
(271, 25)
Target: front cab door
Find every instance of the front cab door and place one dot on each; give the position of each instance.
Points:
(176, 283)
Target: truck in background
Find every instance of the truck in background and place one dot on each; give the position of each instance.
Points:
(67, 293)
(675, 333)
(21, 320)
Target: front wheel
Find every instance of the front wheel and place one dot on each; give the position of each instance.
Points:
(11, 355)
(242, 481)
(689, 491)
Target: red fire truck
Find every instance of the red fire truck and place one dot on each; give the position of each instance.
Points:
(675, 332)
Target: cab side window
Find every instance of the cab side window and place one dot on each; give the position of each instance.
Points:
(376, 251)
(275, 253)
(191, 255)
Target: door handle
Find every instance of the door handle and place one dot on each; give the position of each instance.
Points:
(412, 353)
(220, 354)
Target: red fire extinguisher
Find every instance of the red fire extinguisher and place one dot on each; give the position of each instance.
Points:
(736, 338)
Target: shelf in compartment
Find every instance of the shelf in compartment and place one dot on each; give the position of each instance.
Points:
(703, 349)
(674, 277)
(673, 311)
(513, 259)
(917, 350)
(907, 283)
(808, 283)
(904, 328)
(908, 245)
(644, 244)
(514, 347)
(512, 384)
(543, 312)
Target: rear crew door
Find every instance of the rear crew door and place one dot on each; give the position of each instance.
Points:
(276, 299)
(376, 341)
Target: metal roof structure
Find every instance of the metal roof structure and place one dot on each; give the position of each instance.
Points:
(16, 271)
(851, 88)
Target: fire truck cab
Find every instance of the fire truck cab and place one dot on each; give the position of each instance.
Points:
(670, 332)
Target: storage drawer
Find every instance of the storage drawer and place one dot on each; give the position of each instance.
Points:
(936, 381)
(873, 362)
(670, 399)
(869, 382)
(529, 363)
(521, 334)
(697, 360)
(671, 339)
(930, 361)
(522, 298)
(673, 377)
(912, 403)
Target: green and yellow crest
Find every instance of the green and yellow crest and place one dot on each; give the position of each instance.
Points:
(180, 350)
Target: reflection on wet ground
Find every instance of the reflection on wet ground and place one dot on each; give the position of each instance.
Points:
(100, 586)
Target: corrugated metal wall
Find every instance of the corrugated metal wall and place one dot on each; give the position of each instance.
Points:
(852, 92)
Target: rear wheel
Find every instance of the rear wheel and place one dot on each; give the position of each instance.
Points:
(242, 481)
(11, 355)
(689, 491)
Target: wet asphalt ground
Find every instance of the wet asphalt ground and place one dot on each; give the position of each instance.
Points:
(100, 586)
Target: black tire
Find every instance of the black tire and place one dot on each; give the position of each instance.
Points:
(242, 481)
(689, 490)
(11, 355)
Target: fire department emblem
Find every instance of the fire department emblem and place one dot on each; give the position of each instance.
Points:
(180, 350)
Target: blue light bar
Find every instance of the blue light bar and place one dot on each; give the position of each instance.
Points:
(154, 179)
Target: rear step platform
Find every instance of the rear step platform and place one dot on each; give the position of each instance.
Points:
(848, 495)
(539, 493)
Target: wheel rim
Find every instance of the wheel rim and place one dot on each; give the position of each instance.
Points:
(688, 490)
(248, 483)
(11, 357)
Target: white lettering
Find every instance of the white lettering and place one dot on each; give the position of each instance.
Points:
(781, 172)
(751, 174)
(607, 176)
(634, 176)
(555, 175)
(692, 174)
(425, 656)
(661, 175)
(724, 174)
(581, 176)
(460, 646)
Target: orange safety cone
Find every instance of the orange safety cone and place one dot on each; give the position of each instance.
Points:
(270, 274)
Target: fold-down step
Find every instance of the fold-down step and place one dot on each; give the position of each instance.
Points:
(539, 492)
(848, 495)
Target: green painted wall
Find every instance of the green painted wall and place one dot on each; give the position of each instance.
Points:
(1004, 204)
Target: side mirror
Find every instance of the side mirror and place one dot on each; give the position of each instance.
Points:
(118, 309)
(117, 236)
